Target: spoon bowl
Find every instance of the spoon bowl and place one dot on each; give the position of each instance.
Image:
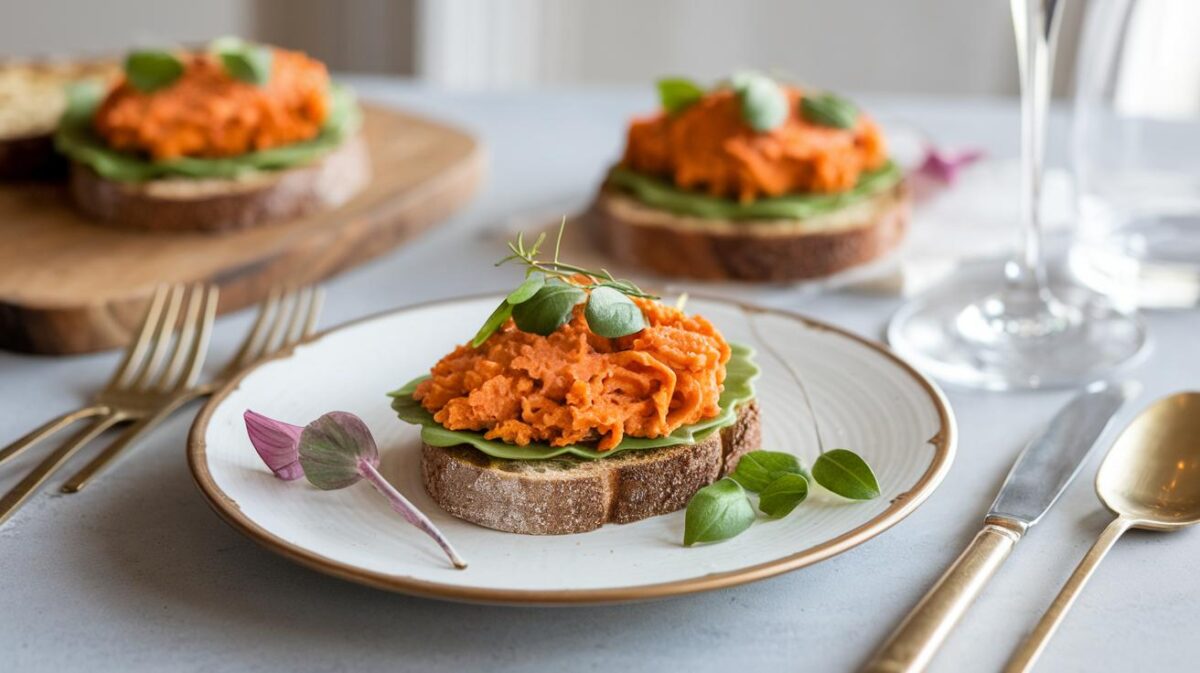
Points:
(1150, 479)
(1152, 474)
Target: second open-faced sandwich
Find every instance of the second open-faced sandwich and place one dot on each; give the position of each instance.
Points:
(33, 96)
(214, 139)
(582, 401)
(751, 180)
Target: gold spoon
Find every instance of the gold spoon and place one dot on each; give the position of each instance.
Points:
(1151, 480)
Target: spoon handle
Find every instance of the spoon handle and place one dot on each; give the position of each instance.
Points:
(1032, 648)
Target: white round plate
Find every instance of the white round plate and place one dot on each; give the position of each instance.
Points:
(863, 397)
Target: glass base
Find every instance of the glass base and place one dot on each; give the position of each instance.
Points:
(1151, 260)
(970, 333)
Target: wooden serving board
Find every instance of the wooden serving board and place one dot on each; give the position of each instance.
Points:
(69, 285)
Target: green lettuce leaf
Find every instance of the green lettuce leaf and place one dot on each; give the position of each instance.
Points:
(740, 373)
(659, 193)
(77, 139)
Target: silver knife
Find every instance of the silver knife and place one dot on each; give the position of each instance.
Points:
(1040, 475)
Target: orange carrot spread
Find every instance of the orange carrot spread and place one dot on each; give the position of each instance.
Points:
(208, 113)
(707, 147)
(574, 386)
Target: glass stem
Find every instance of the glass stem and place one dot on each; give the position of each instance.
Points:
(1035, 24)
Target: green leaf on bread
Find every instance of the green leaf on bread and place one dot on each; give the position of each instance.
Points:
(659, 193)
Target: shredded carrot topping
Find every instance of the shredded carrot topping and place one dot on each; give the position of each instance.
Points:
(708, 147)
(208, 113)
(574, 386)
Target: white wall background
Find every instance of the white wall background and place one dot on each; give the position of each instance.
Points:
(952, 47)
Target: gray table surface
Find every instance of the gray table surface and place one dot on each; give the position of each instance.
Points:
(136, 573)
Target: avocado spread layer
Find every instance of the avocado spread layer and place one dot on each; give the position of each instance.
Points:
(659, 193)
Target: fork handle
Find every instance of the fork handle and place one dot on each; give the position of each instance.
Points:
(1035, 644)
(912, 645)
(49, 428)
(21, 492)
(143, 425)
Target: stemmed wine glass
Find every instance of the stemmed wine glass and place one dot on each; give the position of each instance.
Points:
(1031, 331)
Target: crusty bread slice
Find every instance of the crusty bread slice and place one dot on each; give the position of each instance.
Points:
(575, 495)
(32, 98)
(211, 204)
(753, 250)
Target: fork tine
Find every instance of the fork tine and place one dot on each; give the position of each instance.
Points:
(135, 352)
(208, 315)
(201, 313)
(183, 342)
(279, 329)
(300, 314)
(314, 312)
(250, 344)
(162, 338)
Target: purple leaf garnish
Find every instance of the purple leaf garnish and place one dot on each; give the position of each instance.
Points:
(277, 443)
(337, 450)
(945, 166)
(332, 448)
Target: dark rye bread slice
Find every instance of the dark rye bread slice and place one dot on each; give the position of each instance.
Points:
(575, 495)
(217, 204)
(30, 158)
(752, 250)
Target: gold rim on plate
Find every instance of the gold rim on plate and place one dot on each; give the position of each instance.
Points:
(943, 442)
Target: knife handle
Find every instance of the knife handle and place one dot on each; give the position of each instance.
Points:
(913, 644)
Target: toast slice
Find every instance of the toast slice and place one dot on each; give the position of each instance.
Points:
(32, 98)
(219, 204)
(752, 250)
(575, 495)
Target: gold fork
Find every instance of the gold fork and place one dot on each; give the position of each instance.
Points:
(284, 319)
(160, 365)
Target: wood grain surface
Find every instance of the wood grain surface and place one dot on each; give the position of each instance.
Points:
(70, 285)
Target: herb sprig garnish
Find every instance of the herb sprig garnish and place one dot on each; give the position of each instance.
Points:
(553, 288)
(723, 510)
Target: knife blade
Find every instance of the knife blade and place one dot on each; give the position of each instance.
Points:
(1041, 473)
(1049, 462)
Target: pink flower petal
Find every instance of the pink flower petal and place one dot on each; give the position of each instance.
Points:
(945, 166)
(277, 443)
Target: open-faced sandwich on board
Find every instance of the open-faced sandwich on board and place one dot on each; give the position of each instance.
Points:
(752, 180)
(33, 96)
(214, 139)
(582, 400)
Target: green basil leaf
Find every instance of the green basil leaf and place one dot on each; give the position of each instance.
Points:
(677, 94)
(152, 69)
(781, 496)
(245, 61)
(764, 103)
(611, 314)
(757, 469)
(717, 512)
(829, 110)
(527, 289)
(846, 474)
(548, 309)
(493, 323)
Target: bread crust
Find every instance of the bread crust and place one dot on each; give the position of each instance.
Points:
(575, 495)
(751, 250)
(215, 205)
(31, 158)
